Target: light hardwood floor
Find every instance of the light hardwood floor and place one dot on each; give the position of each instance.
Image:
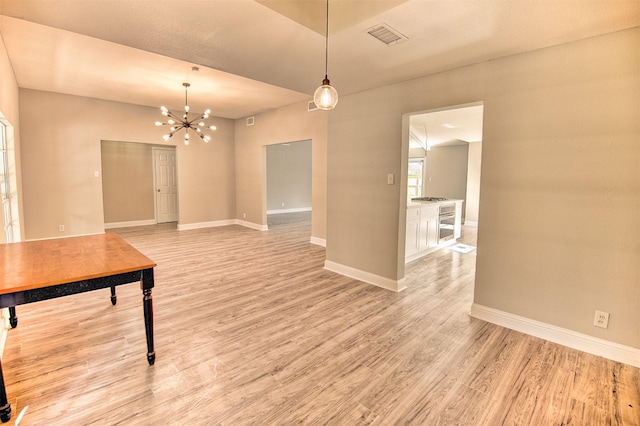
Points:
(251, 330)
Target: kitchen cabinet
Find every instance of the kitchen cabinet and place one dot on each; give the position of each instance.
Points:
(423, 228)
(413, 231)
(428, 227)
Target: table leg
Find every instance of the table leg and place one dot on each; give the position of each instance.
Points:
(148, 324)
(13, 319)
(114, 299)
(5, 408)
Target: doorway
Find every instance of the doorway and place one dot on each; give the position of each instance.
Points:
(447, 143)
(131, 177)
(288, 182)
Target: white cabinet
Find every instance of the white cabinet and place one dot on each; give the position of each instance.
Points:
(423, 232)
(428, 227)
(413, 231)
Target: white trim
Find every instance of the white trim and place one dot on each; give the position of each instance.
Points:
(582, 342)
(64, 236)
(318, 241)
(470, 223)
(129, 223)
(212, 224)
(365, 276)
(226, 222)
(300, 209)
(252, 225)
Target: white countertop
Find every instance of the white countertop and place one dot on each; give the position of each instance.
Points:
(414, 204)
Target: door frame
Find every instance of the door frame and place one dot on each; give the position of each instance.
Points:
(154, 151)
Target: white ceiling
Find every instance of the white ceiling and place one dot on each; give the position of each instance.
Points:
(456, 126)
(258, 55)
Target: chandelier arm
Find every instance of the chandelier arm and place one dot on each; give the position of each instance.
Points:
(195, 119)
(172, 115)
(183, 121)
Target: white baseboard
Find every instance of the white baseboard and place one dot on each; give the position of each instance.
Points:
(256, 226)
(226, 222)
(318, 241)
(367, 277)
(129, 223)
(582, 342)
(297, 210)
(63, 236)
(212, 224)
(471, 223)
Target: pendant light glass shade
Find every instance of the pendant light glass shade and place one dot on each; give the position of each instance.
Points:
(325, 96)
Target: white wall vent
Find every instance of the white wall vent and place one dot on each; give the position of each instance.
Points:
(251, 121)
(386, 34)
(312, 106)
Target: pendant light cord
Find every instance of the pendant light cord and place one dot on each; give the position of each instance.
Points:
(326, 46)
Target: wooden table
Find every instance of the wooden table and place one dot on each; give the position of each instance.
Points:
(40, 270)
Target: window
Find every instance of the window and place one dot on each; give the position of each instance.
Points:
(416, 178)
(5, 191)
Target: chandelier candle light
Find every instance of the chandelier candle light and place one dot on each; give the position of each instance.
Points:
(196, 124)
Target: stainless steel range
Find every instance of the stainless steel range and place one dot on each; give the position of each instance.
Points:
(446, 222)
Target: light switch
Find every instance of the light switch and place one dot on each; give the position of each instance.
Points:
(390, 179)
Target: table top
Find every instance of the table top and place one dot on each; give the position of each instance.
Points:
(36, 264)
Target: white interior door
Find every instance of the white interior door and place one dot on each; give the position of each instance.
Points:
(166, 185)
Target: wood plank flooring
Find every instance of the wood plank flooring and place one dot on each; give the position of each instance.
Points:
(251, 330)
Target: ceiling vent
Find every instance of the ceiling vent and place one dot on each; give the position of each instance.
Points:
(386, 34)
(312, 106)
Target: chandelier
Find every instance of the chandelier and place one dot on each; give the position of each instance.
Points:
(326, 96)
(177, 123)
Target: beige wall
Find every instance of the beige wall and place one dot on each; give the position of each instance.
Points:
(127, 181)
(288, 124)
(472, 200)
(289, 176)
(446, 172)
(206, 177)
(61, 137)
(560, 188)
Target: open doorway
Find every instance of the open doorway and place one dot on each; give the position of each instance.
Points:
(130, 183)
(445, 149)
(288, 182)
(442, 172)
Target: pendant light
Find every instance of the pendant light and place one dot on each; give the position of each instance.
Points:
(325, 96)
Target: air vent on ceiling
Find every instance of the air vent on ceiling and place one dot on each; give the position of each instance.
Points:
(251, 121)
(312, 106)
(386, 34)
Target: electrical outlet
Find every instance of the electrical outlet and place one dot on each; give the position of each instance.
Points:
(60, 228)
(601, 319)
